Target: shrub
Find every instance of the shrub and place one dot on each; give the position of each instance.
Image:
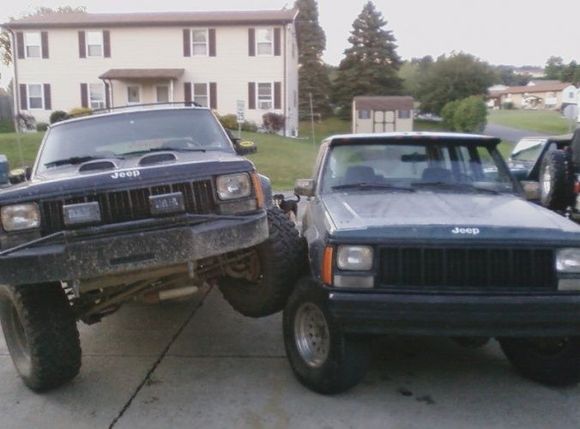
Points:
(273, 122)
(57, 116)
(249, 126)
(26, 122)
(508, 105)
(448, 114)
(229, 121)
(80, 111)
(468, 115)
(41, 126)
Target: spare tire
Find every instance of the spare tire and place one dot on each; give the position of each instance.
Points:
(557, 181)
(576, 150)
(281, 262)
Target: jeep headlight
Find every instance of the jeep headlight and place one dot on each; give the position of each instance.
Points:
(233, 186)
(568, 261)
(354, 258)
(19, 217)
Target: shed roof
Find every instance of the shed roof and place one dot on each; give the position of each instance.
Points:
(383, 103)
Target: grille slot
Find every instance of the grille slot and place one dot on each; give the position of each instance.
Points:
(128, 205)
(474, 268)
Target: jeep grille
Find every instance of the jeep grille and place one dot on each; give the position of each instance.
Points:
(474, 268)
(128, 205)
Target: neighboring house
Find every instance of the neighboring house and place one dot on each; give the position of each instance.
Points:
(382, 114)
(540, 95)
(63, 61)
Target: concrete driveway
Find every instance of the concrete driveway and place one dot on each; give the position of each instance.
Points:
(509, 134)
(183, 365)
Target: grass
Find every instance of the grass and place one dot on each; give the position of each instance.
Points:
(29, 143)
(540, 121)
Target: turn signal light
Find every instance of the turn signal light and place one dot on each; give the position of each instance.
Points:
(258, 189)
(327, 261)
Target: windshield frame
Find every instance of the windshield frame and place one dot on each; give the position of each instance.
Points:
(497, 157)
(228, 148)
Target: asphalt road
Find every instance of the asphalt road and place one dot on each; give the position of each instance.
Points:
(182, 365)
(510, 134)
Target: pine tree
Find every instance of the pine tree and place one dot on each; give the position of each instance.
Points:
(312, 74)
(371, 64)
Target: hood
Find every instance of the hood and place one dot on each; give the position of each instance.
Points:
(67, 180)
(445, 215)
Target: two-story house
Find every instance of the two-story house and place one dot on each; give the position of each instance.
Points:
(216, 59)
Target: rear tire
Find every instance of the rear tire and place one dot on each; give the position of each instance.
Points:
(321, 356)
(41, 334)
(551, 361)
(557, 181)
(281, 263)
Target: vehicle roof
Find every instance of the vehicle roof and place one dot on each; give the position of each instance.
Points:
(404, 137)
(126, 110)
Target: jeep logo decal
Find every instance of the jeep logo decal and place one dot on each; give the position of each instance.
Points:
(465, 231)
(125, 174)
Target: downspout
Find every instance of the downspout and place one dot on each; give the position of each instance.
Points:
(16, 95)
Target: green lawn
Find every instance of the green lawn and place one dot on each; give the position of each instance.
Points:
(533, 120)
(29, 143)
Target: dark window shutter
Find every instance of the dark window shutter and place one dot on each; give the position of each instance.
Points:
(187, 93)
(213, 95)
(20, 44)
(251, 95)
(82, 45)
(107, 95)
(47, 97)
(277, 95)
(186, 43)
(107, 44)
(44, 41)
(84, 95)
(23, 97)
(212, 48)
(252, 42)
(277, 42)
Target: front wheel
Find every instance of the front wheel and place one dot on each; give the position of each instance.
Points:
(321, 356)
(41, 334)
(551, 361)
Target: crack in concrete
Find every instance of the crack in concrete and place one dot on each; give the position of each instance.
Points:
(157, 362)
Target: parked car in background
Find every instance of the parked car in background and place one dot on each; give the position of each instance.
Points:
(429, 234)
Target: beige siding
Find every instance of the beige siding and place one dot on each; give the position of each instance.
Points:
(231, 69)
(380, 122)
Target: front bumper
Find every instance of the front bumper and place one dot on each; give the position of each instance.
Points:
(132, 246)
(457, 315)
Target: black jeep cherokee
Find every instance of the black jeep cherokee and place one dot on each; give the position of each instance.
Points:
(144, 204)
(428, 234)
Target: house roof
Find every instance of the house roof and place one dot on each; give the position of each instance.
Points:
(82, 20)
(142, 74)
(384, 103)
(539, 87)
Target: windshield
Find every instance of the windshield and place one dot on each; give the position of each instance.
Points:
(430, 165)
(528, 150)
(132, 134)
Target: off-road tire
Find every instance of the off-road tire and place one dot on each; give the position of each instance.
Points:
(347, 358)
(554, 368)
(281, 263)
(557, 181)
(41, 334)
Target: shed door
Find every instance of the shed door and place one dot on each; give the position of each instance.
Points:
(384, 121)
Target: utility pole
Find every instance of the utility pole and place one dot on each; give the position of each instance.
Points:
(312, 119)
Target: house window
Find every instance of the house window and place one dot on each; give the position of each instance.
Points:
(162, 92)
(32, 45)
(264, 41)
(94, 43)
(404, 114)
(133, 94)
(265, 96)
(364, 114)
(35, 96)
(199, 42)
(97, 96)
(201, 94)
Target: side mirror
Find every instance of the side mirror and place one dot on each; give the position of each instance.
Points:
(28, 173)
(304, 187)
(245, 147)
(531, 190)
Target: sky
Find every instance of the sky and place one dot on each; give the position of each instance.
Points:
(515, 32)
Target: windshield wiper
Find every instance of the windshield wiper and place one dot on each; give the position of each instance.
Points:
(164, 149)
(365, 185)
(467, 186)
(73, 160)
